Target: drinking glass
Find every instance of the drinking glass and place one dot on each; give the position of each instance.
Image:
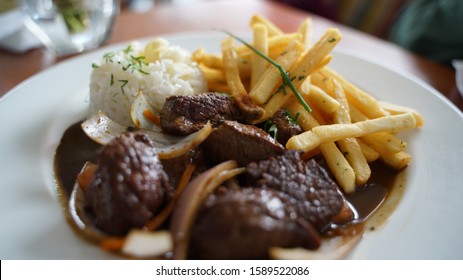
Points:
(71, 26)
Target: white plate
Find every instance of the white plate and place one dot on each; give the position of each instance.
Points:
(427, 224)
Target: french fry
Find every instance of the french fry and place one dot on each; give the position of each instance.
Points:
(273, 30)
(324, 62)
(337, 163)
(301, 70)
(231, 71)
(369, 153)
(209, 60)
(334, 132)
(398, 160)
(215, 86)
(315, 57)
(278, 101)
(311, 61)
(276, 45)
(273, 105)
(261, 44)
(318, 114)
(383, 142)
(318, 96)
(387, 147)
(237, 90)
(353, 153)
(349, 146)
(271, 78)
(395, 109)
(366, 103)
(215, 62)
(306, 30)
(212, 74)
(305, 119)
(394, 124)
(215, 79)
(339, 166)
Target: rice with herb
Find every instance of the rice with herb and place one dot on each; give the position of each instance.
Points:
(158, 71)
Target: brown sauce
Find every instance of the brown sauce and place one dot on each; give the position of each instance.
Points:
(74, 150)
(373, 202)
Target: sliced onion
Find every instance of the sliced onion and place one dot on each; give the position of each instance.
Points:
(160, 218)
(147, 244)
(172, 146)
(139, 106)
(86, 175)
(76, 209)
(101, 129)
(190, 200)
(332, 248)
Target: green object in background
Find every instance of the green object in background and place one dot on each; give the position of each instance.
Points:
(432, 28)
(74, 13)
(7, 5)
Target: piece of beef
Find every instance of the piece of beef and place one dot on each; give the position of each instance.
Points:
(183, 115)
(240, 142)
(129, 184)
(244, 223)
(174, 167)
(248, 108)
(317, 195)
(286, 127)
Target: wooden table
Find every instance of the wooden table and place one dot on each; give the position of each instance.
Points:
(234, 15)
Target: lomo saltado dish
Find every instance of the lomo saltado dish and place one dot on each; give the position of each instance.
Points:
(261, 151)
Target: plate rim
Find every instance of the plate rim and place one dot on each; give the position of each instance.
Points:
(403, 75)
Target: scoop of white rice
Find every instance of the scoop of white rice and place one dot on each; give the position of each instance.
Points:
(158, 71)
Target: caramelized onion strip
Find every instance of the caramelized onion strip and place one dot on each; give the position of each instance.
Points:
(112, 244)
(139, 116)
(190, 200)
(76, 211)
(162, 216)
(101, 129)
(85, 177)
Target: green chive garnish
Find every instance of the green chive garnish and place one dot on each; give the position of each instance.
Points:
(287, 81)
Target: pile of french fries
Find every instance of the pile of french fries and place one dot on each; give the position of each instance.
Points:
(347, 125)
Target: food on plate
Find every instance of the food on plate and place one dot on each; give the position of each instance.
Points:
(156, 71)
(261, 151)
(183, 115)
(269, 212)
(129, 185)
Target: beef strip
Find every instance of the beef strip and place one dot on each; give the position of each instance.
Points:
(240, 142)
(245, 223)
(183, 115)
(286, 128)
(286, 203)
(317, 196)
(129, 185)
(251, 111)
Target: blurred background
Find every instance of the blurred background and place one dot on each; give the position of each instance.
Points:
(431, 28)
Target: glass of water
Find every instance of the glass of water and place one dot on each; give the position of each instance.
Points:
(71, 26)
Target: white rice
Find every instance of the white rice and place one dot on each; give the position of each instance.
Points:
(120, 76)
